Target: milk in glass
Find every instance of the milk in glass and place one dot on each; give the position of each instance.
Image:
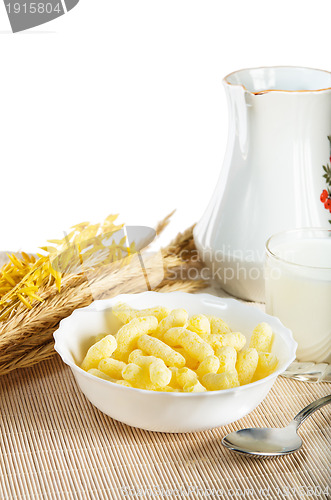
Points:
(298, 289)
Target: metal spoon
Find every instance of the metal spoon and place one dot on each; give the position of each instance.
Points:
(272, 442)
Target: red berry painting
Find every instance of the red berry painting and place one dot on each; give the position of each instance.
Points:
(326, 193)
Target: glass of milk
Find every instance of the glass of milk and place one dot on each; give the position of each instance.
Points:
(298, 288)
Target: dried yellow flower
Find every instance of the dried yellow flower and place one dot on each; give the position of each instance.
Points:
(85, 246)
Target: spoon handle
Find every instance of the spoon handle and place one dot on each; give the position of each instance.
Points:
(306, 412)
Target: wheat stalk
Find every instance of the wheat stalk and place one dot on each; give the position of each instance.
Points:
(26, 337)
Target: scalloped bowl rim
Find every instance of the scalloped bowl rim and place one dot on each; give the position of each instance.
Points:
(122, 297)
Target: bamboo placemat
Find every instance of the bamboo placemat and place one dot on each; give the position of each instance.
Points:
(55, 444)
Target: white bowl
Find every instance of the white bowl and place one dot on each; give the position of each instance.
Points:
(163, 411)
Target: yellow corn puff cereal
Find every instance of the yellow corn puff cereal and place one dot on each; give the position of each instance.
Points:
(194, 387)
(196, 347)
(161, 350)
(173, 382)
(189, 361)
(99, 374)
(128, 335)
(266, 364)
(135, 375)
(111, 367)
(218, 326)
(104, 348)
(123, 382)
(200, 325)
(173, 336)
(227, 356)
(233, 339)
(246, 365)
(136, 353)
(186, 376)
(168, 388)
(220, 381)
(261, 338)
(125, 313)
(159, 374)
(208, 365)
(177, 317)
(140, 359)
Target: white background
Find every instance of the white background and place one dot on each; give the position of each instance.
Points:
(118, 106)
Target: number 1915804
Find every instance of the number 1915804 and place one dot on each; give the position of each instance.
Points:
(33, 8)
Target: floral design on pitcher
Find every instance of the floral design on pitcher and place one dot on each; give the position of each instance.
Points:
(326, 193)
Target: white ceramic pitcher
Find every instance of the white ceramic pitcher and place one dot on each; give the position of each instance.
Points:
(272, 177)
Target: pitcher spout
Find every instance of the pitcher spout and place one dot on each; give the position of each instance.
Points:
(238, 102)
